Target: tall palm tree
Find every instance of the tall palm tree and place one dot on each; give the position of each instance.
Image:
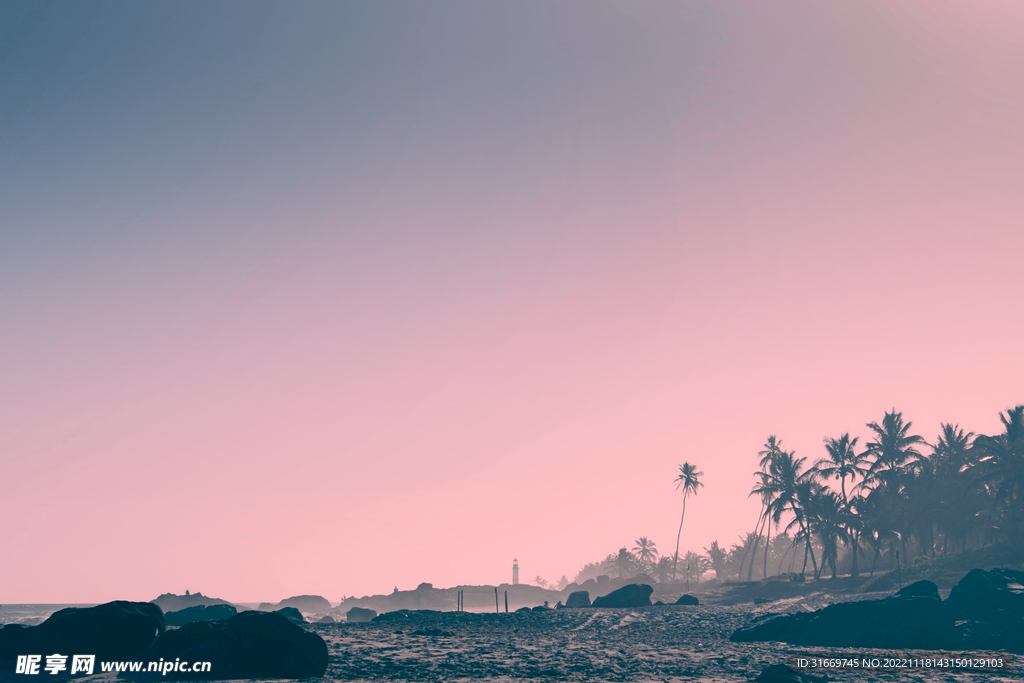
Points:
(772, 449)
(842, 462)
(646, 553)
(892, 446)
(688, 481)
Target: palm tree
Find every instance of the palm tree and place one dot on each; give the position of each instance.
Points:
(1001, 465)
(646, 553)
(719, 558)
(843, 461)
(688, 481)
(892, 446)
(663, 569)
(625, 561)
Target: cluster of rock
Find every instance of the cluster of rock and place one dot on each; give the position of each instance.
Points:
(630, 595)
(243, 645)
(984, 611)
(199, 613)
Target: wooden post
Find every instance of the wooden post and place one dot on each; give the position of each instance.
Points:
(496, 600)
(506, 602)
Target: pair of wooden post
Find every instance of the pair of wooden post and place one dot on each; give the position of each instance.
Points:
(460, 602)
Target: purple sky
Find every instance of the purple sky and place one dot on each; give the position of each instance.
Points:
(329, 298)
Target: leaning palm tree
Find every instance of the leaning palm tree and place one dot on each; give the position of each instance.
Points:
(688, 481)
(646, 553)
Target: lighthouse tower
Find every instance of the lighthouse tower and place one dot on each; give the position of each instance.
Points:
(515, 572)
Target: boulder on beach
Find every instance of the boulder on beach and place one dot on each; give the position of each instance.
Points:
(247, 645)
(631, 595)
(687, 599)
(169, 602)
(115, 630)
(523, 610)
(920, 589)
(328, 619)
(893, 623)
(981, 593)
(578, 599)
(291, 614)
(359, 615)
(199, 613)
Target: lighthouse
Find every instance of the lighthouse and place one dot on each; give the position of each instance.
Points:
(515, 572)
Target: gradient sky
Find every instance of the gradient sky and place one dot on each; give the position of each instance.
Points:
(336, 297)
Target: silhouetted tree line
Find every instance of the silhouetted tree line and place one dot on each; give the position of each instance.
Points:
(898, 496)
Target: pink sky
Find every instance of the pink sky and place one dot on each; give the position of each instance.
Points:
(316, 315)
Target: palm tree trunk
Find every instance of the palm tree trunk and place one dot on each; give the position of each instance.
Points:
(679, 535)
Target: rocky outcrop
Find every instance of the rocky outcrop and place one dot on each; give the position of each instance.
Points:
(358, 615)
(327, 619)
(687, 599)
(895, 622)
(989, 609)
(633, 595)
(310, 604)
(578, 599)
(920, 589)
(291, 614)
(169, 602)
(199, 613)
(247, 645)
(981, 593)
(115, 630)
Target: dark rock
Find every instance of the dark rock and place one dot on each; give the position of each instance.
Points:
(658, 603)
(115, 630)
(310, 604)
(326, 620)
(523, 610)
(604, 578)
(631, 595)
(893, 623)
(291, 614)
(578, 599)
(797, 578)
(541, 608)
(1014, 641)
(687, 599)
(980, 593)
(981, 635)
(920, 589)
(169, 602)
(358, 615)
(199, 613)
(780, 673)
(247, 645)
